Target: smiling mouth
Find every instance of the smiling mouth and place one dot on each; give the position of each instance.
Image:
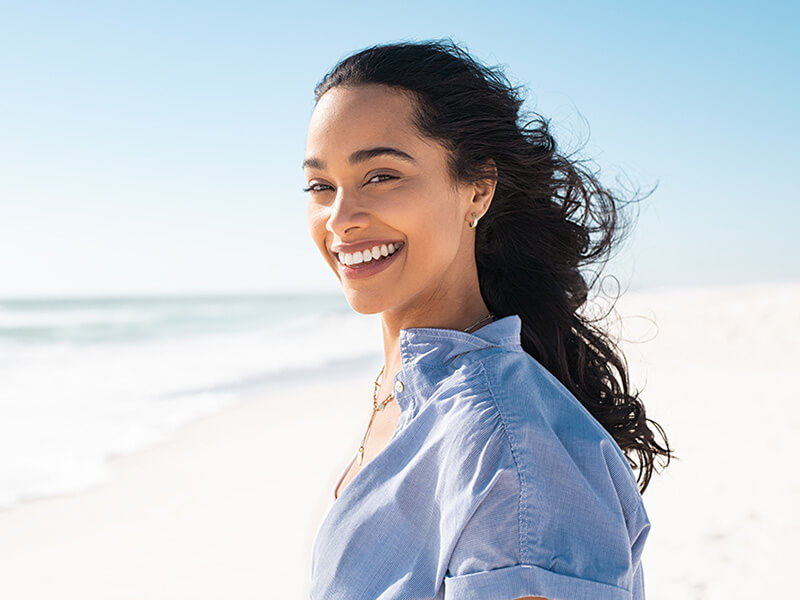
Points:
(375, 254)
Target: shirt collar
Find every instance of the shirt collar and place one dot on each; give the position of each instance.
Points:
(429, 353)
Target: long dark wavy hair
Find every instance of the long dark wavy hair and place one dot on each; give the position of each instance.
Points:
(549, 219)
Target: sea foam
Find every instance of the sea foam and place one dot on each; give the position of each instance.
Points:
(84, 380)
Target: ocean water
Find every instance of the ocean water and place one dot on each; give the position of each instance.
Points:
(82, 380)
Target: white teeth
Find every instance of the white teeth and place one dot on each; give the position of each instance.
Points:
(367, 255)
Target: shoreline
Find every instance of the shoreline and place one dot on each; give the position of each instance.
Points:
(224, 509)
(228, 507)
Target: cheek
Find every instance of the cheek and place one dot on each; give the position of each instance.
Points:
(316, 225)
(433, 240)
(441, 223)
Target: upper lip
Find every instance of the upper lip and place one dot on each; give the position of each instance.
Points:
(360, 246)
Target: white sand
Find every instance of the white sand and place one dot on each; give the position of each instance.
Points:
(722, 378)
(226, 510)
(229, 508)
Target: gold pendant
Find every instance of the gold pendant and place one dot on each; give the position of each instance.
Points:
(364, 439)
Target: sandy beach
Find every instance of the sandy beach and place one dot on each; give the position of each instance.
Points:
(229, 507)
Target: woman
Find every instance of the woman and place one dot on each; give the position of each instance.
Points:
(498, 460)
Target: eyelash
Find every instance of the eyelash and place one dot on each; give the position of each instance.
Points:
(311, 187)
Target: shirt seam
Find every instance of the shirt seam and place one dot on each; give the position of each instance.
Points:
(423, 334)
(483, 350)
(523, 492)
(527, 565)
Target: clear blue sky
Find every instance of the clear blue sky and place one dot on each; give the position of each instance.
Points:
(155, 147)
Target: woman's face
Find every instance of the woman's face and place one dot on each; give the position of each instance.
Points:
(382, 200)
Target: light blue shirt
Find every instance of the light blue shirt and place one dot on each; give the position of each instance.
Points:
(497, 483)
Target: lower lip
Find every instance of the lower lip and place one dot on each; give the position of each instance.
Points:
(368, 269)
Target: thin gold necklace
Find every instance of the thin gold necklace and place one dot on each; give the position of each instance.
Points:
(478, 322)
(377, 407)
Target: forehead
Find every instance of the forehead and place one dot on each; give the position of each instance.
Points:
(348, 118)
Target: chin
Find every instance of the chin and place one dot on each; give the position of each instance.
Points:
(364, 303)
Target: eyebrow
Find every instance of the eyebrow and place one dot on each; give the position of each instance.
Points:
(366, 154)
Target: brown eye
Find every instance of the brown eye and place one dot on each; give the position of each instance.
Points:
(315, 187)
(384, 175)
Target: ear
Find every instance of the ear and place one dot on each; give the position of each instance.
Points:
(483, 190)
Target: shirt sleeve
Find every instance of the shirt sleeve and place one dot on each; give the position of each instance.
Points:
(571, 541)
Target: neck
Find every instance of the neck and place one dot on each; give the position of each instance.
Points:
(453, 303)
(453, 315)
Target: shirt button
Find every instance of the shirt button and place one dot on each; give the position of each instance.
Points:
(398, 386)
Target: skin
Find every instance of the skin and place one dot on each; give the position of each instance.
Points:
(434, 281)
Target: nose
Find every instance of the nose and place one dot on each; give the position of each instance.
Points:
(346, 213)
